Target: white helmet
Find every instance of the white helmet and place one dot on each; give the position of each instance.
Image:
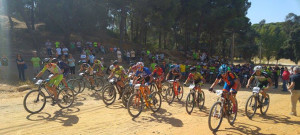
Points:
(111, 67)
(256, 68)
(140, 64)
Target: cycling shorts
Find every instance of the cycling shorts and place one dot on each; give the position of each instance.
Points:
(232, 87)
(56, 80)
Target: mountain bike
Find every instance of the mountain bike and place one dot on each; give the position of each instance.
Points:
(173, 91)
(194, 98)
(256, 100)
(35, 100)
(85, 83)
(139, 99)
(222, 108)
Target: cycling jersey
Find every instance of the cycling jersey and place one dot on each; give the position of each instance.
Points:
(229, 80)
(195, 76)
(262, 79)
(158, 71)
(98, 65)
(146, 72)
(118, 71)
(53, 68)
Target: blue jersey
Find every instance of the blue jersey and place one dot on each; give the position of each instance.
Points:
(145, 72)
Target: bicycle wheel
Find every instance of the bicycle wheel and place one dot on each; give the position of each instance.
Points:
(74, 85)
(264, 108)
(153, 88)
(99, 84)
(180, 93)
(155, 101)
(34, 101)
(164, 88)
(251, 106)
(109, 95)
(215, 116)
(232, 115)
(189, 103)
(66, 98)
(135, 105)
(201, 100)
(170, 95)
(126, 94)
(82, 84)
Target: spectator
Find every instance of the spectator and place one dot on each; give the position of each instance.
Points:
(57, 44)
(285, 78)
(4, 61)
(65, 51)
(48, 45)
(91, 59)
(162, 56)
(132, 55)
(119, 55)
(64, 59)
(83, 57)
(164, 67)
(115, 49)
(36, 63)
(128, 56)
(183, 70)
(21, 67)
(79, 48)
(102, 49)
(152, 65)
(71, 63)
(295, 90)
(72, 45)
(58, 52)
(276, 72)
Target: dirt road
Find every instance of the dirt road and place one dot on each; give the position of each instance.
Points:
(89, 115)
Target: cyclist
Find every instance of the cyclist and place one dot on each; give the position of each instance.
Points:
(143, 73)
(98, 66)
(196, 77)
(264, 81)
(55, 79)
(64, 70)
(231, 84)
(158, 72)
(175, 74)
(89, 72)
(120, 73)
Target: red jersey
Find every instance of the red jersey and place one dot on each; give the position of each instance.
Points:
(158, 71)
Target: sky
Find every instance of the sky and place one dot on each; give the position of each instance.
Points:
(272, 10)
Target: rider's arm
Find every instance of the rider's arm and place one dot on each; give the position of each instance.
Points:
(167, 76)
(111, 74)
(249, 81)
(42, 72)
(270, 84)
(215, 83)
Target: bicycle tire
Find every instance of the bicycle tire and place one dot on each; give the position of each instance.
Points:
(170, 95)
(99, 84)
(111, 91)
(251, 99)
(180, 94)
(72, 85)
(218, 103)
(230, 106)
(156, 98)
(201, 100)
(26, 105)
(131, 102)
(68, 97)
(189, 101)
(263, 112)
(128, 91)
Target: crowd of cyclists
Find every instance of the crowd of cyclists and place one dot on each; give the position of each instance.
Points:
(166, 78)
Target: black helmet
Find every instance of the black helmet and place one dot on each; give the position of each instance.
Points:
(85, 65)
(46, 61)
(54, 60)
(115, 62)
(193, 69)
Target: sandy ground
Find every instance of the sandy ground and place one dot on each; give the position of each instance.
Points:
(89, 115)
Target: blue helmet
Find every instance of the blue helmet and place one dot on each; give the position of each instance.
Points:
(223, 69)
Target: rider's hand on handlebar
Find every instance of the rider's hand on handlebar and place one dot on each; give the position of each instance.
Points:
(247, 86)
(211, 89)
(185, 84)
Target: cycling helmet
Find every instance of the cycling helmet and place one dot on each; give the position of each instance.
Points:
(54, 60)
(223, 69)
(193, 69)
(131, 64)
(256, 68)
(115, 62)
(140, 64)
(46, 61)
(111, 67)
(85, 65)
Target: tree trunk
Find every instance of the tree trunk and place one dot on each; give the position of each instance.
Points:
(165, 40)
(11, 23)
(32, 15)
(198, 36)
(131, 28)
(67, 38)
(159, 39)
(122, 25)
